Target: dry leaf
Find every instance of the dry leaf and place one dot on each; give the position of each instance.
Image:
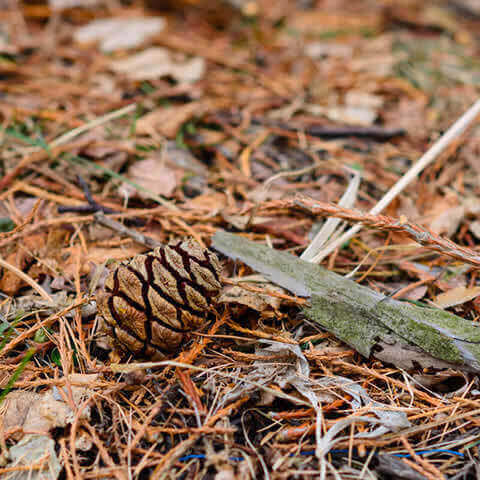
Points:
(241, 221)
(153, 175)
(33, 458)
(357, 98)
(95, 256)
(40, 412)
(456, 296)
(318, 50)
(120, 33)
(182, 158)
(167, 121)
(352, 115)
(10, 282)
(474, 227)
(158, 62)
(254, 300)
(448, 221)
(317, 21)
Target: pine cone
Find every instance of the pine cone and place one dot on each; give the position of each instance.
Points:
(152, 301)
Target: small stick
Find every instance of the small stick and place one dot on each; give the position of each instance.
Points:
(421, 235)
(323, 131)
(123, 230)
(92, 205)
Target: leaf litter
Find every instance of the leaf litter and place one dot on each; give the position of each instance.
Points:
(260, 118)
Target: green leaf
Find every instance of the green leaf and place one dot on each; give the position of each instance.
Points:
(18, 371)
(55, 357)
(6, 224)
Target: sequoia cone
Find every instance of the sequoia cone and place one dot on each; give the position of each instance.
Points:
(152, 301)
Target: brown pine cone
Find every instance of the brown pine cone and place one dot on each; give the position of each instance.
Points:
(152, 301)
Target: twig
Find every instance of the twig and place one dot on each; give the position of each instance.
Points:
(421, 235)
(27, 220)
(323, 131)
(377, 133)
(93, 206)
(123, 230)
(438, 147)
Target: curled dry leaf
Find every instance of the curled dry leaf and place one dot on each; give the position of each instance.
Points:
(10, 283)
(448, 221)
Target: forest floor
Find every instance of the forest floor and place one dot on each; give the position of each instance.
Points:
(179, 122)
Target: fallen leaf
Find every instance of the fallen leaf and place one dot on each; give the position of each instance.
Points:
(254, 300)
(241, 221)
(33, 458)
(357, 98)
(167, 121)
(96, 256)
(352, 115)
(317, 21)
(158, 62)
(182, 158)
(448, 221)
(474, 227)
(211, 203)
(153, 175)
(40, 412)
(456, 296)
(10, 282)
(119, 33)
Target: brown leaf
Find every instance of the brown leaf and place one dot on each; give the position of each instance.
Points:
(167, 121)
(457, 296)
(253, 300)
(40, 412)
(96, 256)
(153, 175)
(10, 283)
(448, 221)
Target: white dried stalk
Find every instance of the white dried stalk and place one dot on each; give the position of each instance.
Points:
(333, 227)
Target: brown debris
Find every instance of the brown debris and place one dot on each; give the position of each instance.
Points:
(250, 116)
